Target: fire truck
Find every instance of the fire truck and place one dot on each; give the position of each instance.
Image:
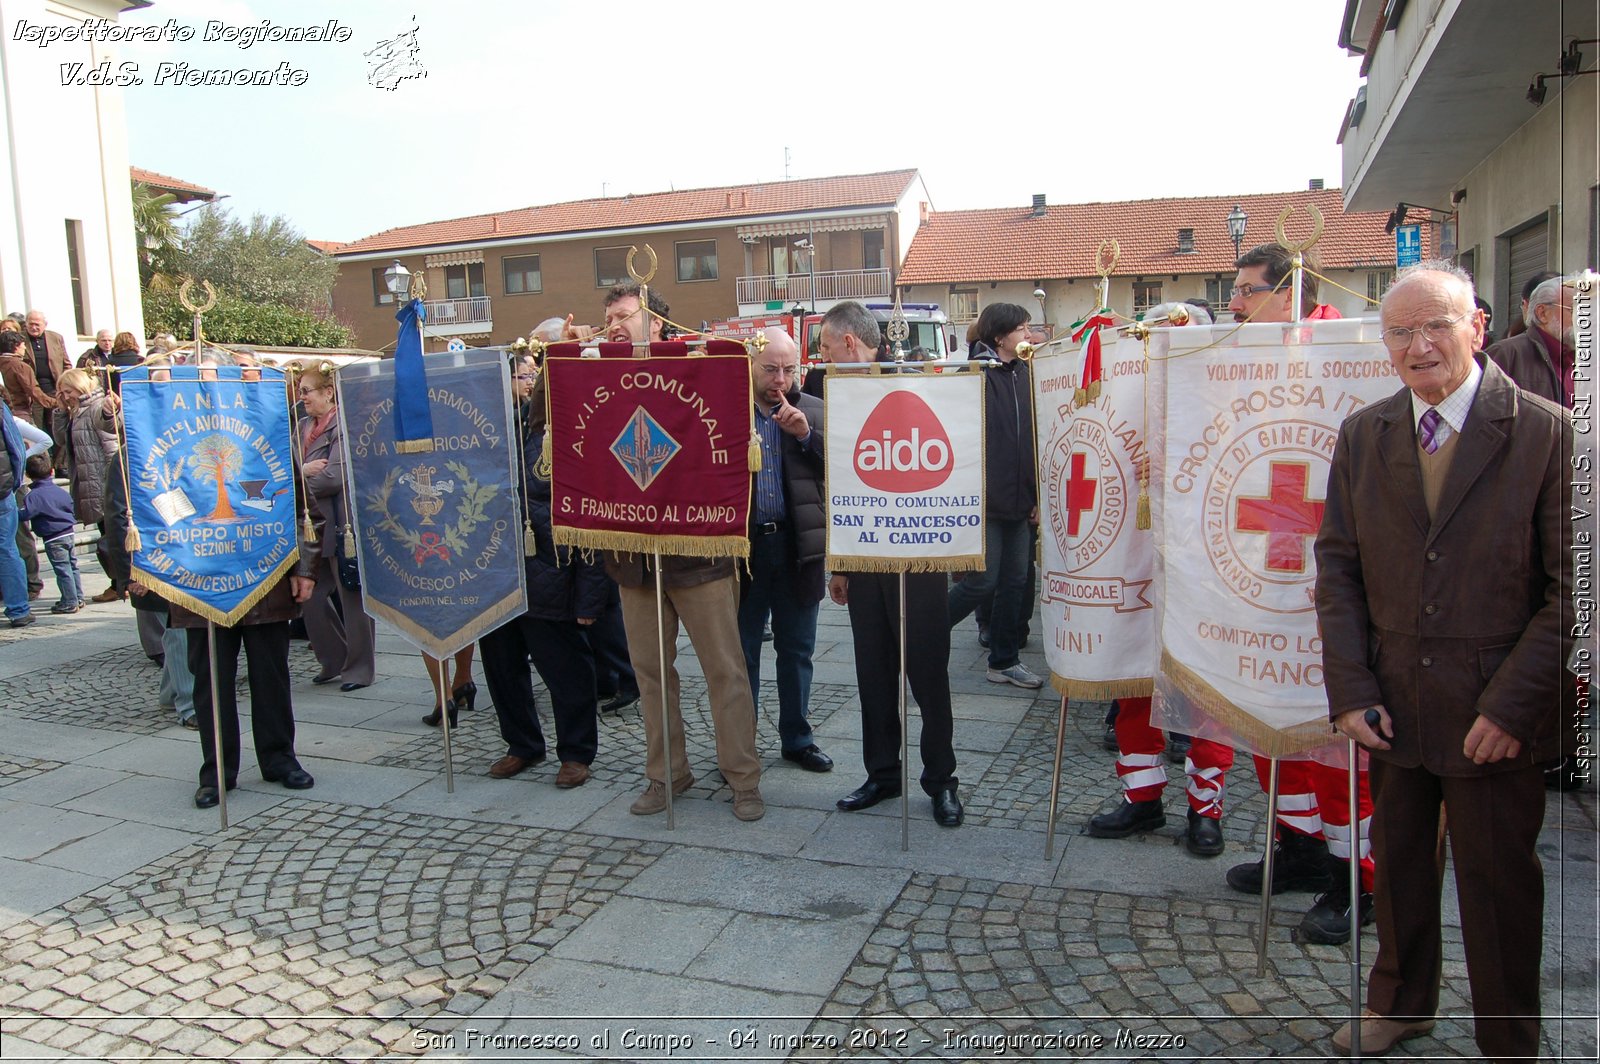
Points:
(930, 329)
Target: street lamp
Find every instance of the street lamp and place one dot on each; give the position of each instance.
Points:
(1236, 220)
(804, 244)
(1038, 293)
(398, 280)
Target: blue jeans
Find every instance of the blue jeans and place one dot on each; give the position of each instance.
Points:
(13, 577)
(177, 682)
(1007, 546)
(65, 563)
(794, 634)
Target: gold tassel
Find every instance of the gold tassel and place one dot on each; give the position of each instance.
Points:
(132, 542)
(308, 531)
(754, 455)
(349, 541)
(1142, 515)
(541, 468)
(1080, 396)
(530, 542)
(1094, 391)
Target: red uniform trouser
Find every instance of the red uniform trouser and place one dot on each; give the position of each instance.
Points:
(1139, 750)
(1314, 799)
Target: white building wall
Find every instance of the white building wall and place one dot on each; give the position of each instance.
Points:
(67, 158)
(1523, 180)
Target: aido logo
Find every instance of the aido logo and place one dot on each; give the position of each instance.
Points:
(903, 446)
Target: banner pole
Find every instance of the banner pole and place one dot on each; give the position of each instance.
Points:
(1266, 866)
(666, 725)
(1355, 906)
(219, 759)
(444, 726)
(905, 771)
(1055, 781)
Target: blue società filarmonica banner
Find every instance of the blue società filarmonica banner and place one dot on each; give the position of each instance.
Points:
(211, 485)
(438, 532)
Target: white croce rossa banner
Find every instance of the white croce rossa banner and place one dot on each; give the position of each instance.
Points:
(904, 471)
(1242, 435)
(1096, 563)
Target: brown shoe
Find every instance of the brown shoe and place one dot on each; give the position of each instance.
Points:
(508, 766)
(110, 594)
(747, 805)
(654, 798)
(572, 774)
(1379, 1034)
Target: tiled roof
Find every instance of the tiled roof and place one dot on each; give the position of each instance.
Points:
(327, 247)
(656, 208)
(1011, 244)
(184, 190)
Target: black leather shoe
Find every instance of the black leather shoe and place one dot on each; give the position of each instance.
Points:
(205, 798)
(868, 795)
(296, 779)
(619, 702)
(947, 808)
(326, 677)
(1128, 818)
(811, 759)
(348, 687)
(1204, 838)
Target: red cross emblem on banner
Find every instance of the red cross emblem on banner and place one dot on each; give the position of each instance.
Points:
(1286, 515)
(1080, 492)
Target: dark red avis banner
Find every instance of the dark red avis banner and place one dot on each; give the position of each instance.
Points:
(651, 454)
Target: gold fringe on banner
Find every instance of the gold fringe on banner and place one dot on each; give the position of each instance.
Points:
(172, 593)
(1254, 733)
(646, 543)
(1102, 690)
(848, 564)
(1093, 390)
(1080, 396)
(412, 446)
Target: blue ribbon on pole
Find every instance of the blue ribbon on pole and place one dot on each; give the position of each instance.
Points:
(413, 420)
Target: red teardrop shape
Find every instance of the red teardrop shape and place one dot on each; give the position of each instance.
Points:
(903, 447)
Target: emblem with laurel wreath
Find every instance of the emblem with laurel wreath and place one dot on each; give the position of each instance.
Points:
(470, 513)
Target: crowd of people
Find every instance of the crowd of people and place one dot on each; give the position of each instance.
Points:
(1410, 618)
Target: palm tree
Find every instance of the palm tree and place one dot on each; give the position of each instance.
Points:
(155, 226)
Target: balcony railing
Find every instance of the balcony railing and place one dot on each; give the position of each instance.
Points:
(445, 313)
(830, 284)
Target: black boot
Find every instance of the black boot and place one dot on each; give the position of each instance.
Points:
(1328, 921)
(1204, 838)
(1128, 818)
(1299, 863)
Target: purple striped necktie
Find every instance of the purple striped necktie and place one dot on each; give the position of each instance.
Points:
(1428, 430)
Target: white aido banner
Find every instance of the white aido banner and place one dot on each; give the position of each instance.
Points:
(1096, 563)
(1242, 436)
(904, 471)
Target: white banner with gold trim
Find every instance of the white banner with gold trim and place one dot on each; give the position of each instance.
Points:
(904, 471)
(1096, 563)
(1242, 438)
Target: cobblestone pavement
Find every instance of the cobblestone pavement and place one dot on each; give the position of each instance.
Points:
(378, 917)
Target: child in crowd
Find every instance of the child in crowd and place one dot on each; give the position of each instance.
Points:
(49, 510)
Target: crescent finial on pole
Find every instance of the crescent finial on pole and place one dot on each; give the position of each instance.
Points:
(1316, 228)
(642, 278)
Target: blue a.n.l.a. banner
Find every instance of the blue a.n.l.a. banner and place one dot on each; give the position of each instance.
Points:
(438, 531)
(211, 485)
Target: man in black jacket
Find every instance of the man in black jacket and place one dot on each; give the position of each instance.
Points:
(788, 541)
